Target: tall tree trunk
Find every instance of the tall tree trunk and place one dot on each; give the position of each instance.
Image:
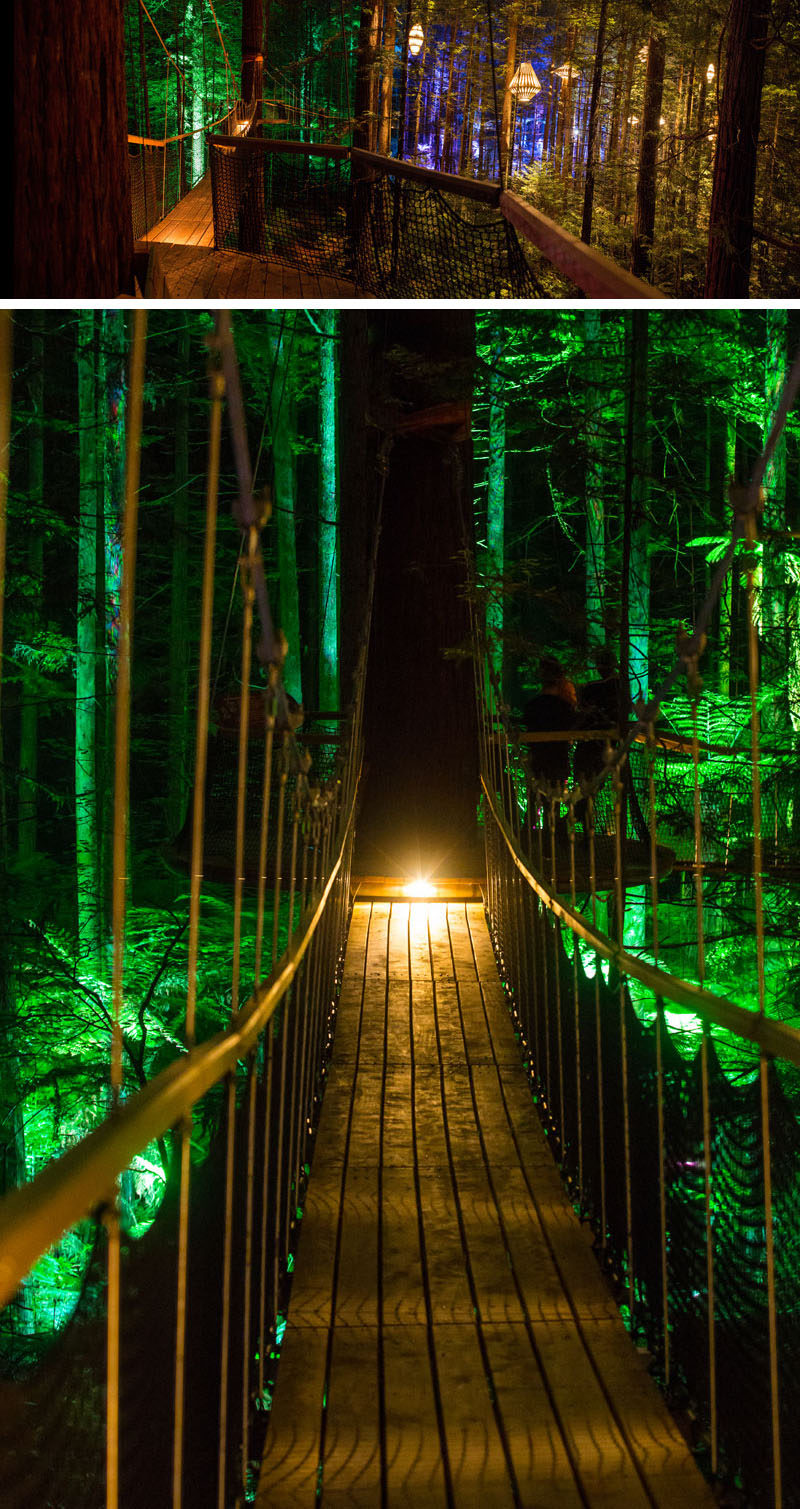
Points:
(639, 580)
(328, 553)
(592, 125)
(387, 79)
(645, 214)
(113, 390)
(465, 139)
(252, 57)
(730, 232)
(283, 434)
(71, 218)
(29, 712)
(773, 573)
(595, 516)
(496, 495)
(86, 828)
(508, 98)
(726, 595)
(178, 710)
(364, 131)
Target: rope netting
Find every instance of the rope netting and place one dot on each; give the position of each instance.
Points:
(673, 1111)
(163, 172)
(172, 1226)
(390, 235)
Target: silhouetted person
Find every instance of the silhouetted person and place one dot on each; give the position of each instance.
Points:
(553, 709)
(598, 707)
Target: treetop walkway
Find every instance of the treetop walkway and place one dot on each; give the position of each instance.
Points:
(371, 1278)
(352, 223)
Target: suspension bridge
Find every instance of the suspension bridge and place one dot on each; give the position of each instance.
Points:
(465, 1198)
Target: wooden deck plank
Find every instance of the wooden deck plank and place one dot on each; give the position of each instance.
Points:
(193, 269)
(467, 1297)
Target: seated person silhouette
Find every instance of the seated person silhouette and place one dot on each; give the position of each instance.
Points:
(554, 709)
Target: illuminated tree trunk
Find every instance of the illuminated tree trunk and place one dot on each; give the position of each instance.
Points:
(621, 195)
(726, 595)
(595, 517)
(71, 217)
(29, 712)
(252, 58)
(592, 124)
(112, 383)
(364, 131)
(86, 828)
(447, 133)
(387, 80)
(283, 434)
(178, 712)
(645, 213)
(328, 692)
(496, 497)
(508, 98)
(773, 578)
(730, 232)
(465, 141)
(638, 526)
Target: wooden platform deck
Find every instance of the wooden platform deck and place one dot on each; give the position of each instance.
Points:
(183, 263)
(451, 1340)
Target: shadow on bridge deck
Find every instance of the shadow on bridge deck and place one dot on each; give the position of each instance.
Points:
(451, 1340)
(177, 260)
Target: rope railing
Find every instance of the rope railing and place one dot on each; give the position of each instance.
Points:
(397, 229)
(673, 1110)
(163, 1377)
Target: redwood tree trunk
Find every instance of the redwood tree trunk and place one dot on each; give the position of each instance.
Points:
(73, 235)
(730, 232)
(645, 214)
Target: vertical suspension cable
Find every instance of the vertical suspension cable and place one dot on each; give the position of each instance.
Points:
(122, 735)
(659, 1034)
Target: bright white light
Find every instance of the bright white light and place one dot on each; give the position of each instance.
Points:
(710, 71)
(419, 890)
(416, 37)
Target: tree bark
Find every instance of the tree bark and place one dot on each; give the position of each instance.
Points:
(29, 712)
(72, 231)
(496, 496)
(645, 214)
(328, 552)
(364, 130)
(86, 831)
(639, 609)
(387, 80)
(591, 129)
(178, 782)
(508, 98)
(595, 516)
(283, 431)
(730, 232)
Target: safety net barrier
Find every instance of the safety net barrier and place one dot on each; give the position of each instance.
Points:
(172, 1224)
(164, 170)
(671, 1108)
(393, 229)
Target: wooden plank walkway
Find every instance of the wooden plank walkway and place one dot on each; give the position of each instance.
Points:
(184, 264)
(451, 1340)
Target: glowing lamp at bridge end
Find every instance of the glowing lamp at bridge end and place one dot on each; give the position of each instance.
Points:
(419, 890)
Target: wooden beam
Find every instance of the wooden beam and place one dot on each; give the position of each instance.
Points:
(256, 145)
(586, 267)
(449, 183)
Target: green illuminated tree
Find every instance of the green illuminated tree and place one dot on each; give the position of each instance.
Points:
(282, 416)
(86, 813)
(328, 553)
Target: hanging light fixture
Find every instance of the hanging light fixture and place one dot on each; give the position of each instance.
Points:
(566, 71)
(416, 37)
(643, 53)
(524, 84)
(710, 71)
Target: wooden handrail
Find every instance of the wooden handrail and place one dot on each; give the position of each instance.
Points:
(586, 267)
(450, 183)
(258, 144)
(774, 1037)
(33, 1217)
